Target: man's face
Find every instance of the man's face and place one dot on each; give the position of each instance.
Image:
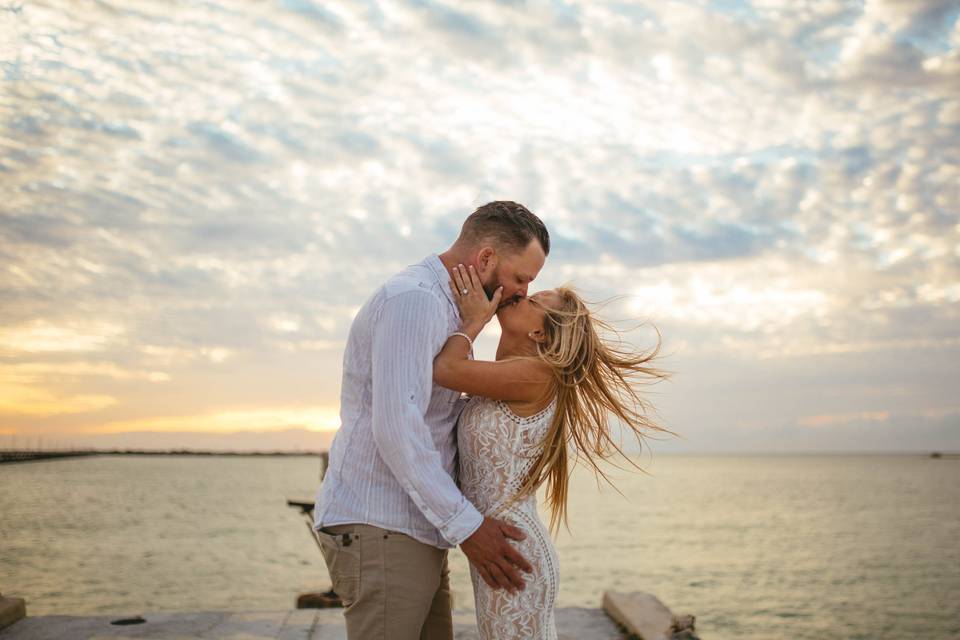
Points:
(514, 272)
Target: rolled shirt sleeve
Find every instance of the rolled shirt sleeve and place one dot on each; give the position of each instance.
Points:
(408, 334)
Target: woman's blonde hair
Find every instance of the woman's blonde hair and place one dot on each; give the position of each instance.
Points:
(593, 378)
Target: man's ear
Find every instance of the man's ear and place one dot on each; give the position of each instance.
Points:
(486, 260)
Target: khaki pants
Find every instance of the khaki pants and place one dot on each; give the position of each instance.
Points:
(392, 586)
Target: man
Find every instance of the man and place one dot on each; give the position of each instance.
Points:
(389, 507)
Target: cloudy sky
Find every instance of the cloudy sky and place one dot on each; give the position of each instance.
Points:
(196, 198)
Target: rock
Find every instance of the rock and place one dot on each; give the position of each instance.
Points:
(682, 623)
(644, 616)
(11, 610)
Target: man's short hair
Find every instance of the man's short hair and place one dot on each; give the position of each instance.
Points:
(507, 225)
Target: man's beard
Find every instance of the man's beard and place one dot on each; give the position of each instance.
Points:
(491, 288)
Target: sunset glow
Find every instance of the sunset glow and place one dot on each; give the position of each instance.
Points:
(195, 200)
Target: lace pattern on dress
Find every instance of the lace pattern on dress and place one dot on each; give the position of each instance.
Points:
(497, 450)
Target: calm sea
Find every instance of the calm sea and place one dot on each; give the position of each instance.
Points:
(755, 547)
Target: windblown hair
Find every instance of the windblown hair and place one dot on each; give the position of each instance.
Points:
(594, 379)
(509, 226)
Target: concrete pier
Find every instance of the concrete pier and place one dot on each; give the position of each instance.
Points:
(32, 456)
(573, 623)
(643, 616)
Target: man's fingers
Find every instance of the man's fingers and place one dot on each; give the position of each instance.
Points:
(502, 581)
(487, 578)
(515, 582)
(510, 552)
(514, 556)
(510, 531)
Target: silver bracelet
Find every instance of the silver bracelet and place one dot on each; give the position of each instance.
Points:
(460, 333)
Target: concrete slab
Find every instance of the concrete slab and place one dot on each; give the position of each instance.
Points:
(573, 623)
(328, 625)
(303, 624)
(158, 625)
(641, 614)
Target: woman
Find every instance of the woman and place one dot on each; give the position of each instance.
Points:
(545, 399)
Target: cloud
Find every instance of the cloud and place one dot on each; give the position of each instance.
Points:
(311, 10)
(233, 420)
(18, 399)
(927, 18)
(39, 336)
(829, 420)
(29, 372)
(165, 355)
(721, 298)
(773, 179)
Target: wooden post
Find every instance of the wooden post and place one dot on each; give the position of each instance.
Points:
(324, 463)
(11, 610)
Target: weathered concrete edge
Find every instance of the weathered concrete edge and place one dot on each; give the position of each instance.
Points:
(641, 614)
(11, 610)
(574, 623)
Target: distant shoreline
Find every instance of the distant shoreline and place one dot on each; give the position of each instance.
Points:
(36, 456)
(10, 456)
(807, 454)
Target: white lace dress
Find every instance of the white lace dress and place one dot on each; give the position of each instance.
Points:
(497, 449)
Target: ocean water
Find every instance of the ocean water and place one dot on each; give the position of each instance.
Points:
(755, 547)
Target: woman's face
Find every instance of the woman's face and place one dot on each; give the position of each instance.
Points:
(526, 315)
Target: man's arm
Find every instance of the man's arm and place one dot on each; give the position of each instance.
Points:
(404, 338)
(408, 327)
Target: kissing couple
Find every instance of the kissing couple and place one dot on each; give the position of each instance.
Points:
(438, 450)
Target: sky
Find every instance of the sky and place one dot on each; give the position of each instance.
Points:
(196, 198)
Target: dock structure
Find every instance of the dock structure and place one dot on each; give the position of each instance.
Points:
(573, 623)
(30, 456)
(10, 455)
(625, 616)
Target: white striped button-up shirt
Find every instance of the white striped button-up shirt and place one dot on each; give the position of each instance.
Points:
(392, 460)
